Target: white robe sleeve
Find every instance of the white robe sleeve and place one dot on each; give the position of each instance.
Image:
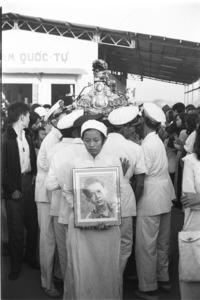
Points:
(51, 181)
(68, 185)
(42, 158)
(188, 177)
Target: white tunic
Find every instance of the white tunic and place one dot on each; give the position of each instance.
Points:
(158, 189)
(93, 269)
(117, 145)
(56, 195)
(191, 180)
(58, 172)
(189, 143)
(191, 183)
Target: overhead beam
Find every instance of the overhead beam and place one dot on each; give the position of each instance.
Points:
(129, 52)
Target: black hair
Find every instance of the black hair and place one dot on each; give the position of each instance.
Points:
(182, 116)
(190, 107)
(15, 110)
(117, 128)
(76, 133)
(166, 108)
(34, 106)
(67, 132)
(33, 118)
(88, 182)
(179, 106)
(170, 116)
(47, 106)
(41, 128)
(191, 122)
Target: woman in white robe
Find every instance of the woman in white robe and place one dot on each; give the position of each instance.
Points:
(93, 268)
(191, 203)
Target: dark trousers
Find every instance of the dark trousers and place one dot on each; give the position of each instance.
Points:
(179, 182)
(15, 222)
(30, 218)
(22, 213)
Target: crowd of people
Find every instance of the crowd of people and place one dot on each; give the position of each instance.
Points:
(157, 153)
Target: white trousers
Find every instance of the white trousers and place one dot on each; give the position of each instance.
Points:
(65, 280)
(51, 233)
(126, 240)
(151, 250)
(61, 245)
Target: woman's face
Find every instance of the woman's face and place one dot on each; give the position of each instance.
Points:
(47, 127)
(93, 141)
(41, 134)
(36, 125)
(178, 121)
(129, 131)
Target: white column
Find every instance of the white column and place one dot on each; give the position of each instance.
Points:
(44, 93)
(35, 93)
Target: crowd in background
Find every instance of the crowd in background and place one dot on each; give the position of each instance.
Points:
(149, 144)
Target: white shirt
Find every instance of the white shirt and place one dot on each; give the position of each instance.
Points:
(158, 189)
(191, 182)
(56, 195)
(119, 146)
(58, 172)
(53, 137)
(191, 174)
(24, 154)
(189, 143)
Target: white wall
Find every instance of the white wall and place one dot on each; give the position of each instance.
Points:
(35, 55)
(150, 90)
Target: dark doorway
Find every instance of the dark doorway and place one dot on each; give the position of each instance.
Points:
(62, 91)
(18, 92)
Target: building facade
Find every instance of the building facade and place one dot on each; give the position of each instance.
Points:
(42, 68)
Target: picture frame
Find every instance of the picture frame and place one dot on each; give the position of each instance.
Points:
(97, 201)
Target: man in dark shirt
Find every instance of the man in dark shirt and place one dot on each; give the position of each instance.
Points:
(18, 176)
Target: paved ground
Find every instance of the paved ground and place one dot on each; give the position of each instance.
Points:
(28, 285)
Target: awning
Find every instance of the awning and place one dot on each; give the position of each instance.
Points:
(148, 56)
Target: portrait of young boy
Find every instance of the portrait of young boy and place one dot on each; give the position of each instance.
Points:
(96, 193)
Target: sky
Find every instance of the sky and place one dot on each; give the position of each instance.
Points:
(171, 18)
(179, 19)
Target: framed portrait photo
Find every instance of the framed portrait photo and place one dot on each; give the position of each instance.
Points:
(96, 197)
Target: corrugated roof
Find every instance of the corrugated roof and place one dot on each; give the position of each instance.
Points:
(153, 57)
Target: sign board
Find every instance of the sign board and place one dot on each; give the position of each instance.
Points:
(27, 49)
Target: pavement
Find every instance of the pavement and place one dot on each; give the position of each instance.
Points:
(28, 285)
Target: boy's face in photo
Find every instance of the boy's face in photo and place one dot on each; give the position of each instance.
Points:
(96, 194)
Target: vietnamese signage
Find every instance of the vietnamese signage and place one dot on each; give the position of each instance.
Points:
(26, 57)
(28, 49)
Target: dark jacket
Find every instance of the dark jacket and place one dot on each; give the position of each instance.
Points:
(11, 169)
